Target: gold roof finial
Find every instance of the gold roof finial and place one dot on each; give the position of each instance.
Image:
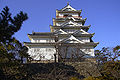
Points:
(68, 3)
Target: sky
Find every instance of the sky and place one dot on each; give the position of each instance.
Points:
(102, 15)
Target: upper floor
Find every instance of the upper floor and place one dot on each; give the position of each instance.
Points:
(68, 11)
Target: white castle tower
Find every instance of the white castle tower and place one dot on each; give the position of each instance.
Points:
(68, 38)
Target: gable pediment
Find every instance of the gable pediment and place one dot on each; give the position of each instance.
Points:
(68, 8)
(71, 39)
(81, 31)
(70, 23)
(60, 31)
(70, 18)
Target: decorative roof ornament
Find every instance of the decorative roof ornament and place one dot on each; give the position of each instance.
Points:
(67, 3)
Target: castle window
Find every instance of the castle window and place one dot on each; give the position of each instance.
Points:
(43, 57)
(65, 15)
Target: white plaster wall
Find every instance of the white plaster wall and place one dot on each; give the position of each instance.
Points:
(59, 24)
(47, 52)
(42, 52)
(42, 40)
(88, 50)
(73, 14)
(84, 39)
(71, 41)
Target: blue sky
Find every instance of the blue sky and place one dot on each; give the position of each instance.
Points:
(103, 15)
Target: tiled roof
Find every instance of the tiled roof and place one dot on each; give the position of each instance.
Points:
(75, 44)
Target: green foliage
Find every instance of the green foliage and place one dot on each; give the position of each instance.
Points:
(108, 54)
(4, 56)
(12, 51)
(9, 46)
(9, 25)
(111, 70)
(18, 49)
(109, 63)
(39, 71)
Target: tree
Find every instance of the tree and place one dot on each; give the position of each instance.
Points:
(108, 63)
(108, 54)
(19, 51)
(111, 70)
(9, 25)
(10, 47)
(11, 50)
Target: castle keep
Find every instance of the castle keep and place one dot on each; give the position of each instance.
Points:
(69, 38)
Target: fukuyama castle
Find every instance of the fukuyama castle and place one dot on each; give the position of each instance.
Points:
(68, 38)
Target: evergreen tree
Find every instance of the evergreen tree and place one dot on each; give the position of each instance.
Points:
(9, 25)
(11, 50)
(9, 46)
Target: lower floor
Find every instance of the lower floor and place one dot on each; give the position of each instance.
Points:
(46, 53)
